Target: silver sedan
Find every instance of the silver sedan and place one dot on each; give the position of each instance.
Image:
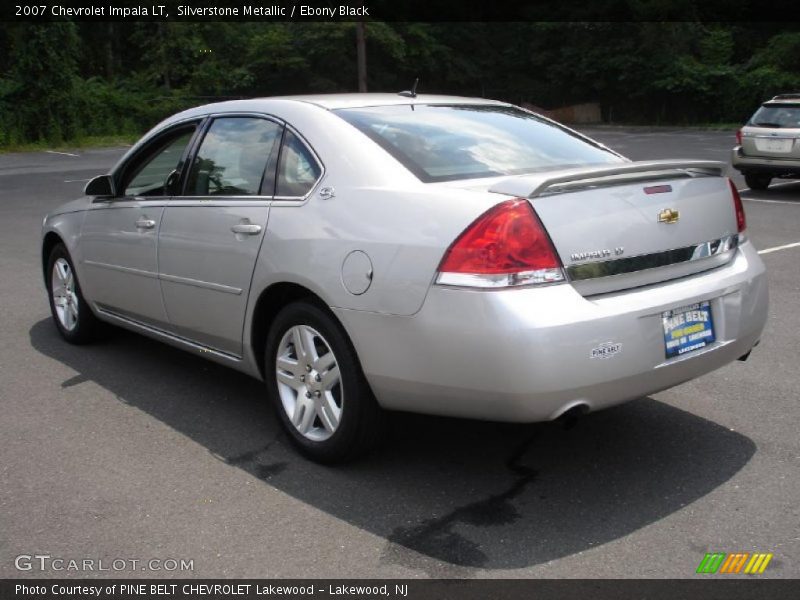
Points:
(370, 252)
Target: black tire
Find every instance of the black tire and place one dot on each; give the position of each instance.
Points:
(87, 327)
(757, 182)
(361, 423)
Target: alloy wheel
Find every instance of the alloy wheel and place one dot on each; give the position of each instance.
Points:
(65, 297)
(309, 383)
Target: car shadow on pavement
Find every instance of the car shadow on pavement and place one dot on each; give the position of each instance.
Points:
(780, 189)
(449, 496)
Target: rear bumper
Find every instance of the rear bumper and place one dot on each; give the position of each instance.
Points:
(759, 164)
(525, 355)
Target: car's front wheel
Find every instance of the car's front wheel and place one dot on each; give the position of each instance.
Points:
(757, 182)
(316, 384)
(72, 315)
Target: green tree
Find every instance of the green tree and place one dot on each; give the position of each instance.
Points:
(39, 95)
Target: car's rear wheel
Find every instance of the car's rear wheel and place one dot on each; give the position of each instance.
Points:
(316, 384)
(73, 317)
(757, 182)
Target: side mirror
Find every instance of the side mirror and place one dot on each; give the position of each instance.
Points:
(101, 186)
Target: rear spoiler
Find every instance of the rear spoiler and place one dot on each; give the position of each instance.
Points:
(568, 180)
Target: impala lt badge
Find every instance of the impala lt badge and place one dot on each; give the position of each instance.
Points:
(604, 253)
(668, 216)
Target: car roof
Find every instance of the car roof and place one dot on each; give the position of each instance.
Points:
(276, 104)
(782, 99)
(334, 101)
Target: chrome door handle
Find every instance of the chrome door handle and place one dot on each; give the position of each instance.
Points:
(246, 228)
(144, 223)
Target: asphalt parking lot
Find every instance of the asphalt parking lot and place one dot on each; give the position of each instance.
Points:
(130, 449)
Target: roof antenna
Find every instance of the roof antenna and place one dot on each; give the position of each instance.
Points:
(412, 93)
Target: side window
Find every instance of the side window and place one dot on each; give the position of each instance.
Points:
(298, 171)
(232, 157)
(148, 174)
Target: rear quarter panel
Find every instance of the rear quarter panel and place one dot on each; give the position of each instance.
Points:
(378, 207)
(404, 232)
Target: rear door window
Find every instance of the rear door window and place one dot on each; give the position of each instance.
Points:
(233, 157)
(298, 170)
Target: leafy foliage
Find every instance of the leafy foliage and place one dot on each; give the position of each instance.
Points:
(63, 80)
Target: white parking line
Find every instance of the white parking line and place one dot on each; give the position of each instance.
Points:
(771, 201)
(74, 180)
(64, 153)
(774, 185)
(776, 248)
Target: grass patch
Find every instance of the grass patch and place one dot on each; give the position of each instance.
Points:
(90, 141)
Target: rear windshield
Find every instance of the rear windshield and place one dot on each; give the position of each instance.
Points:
(783, 116)
(447, 142)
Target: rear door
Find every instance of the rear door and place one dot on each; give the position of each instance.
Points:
(211, 234)
(118, 237)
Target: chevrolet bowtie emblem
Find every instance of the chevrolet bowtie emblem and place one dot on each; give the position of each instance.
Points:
(668, 216)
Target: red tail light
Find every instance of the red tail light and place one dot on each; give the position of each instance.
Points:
(739, 136)
(505, 246)
(741, 220)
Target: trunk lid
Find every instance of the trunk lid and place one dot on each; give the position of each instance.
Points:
(634, 224)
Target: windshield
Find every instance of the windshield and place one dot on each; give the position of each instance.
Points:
(448, 142)
(780, 116)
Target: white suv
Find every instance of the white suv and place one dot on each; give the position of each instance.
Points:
(769, 143)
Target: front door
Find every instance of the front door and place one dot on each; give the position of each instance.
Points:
(119, 235)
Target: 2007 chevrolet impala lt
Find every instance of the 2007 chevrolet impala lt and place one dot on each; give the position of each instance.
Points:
(434, 254)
